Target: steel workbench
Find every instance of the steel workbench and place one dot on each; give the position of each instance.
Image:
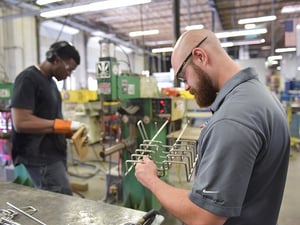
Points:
(58, 209)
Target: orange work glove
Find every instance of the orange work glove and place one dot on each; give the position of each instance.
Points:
(65, 126)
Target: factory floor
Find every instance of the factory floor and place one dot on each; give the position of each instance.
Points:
(90, 177)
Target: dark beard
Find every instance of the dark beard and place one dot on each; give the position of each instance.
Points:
(205, 93)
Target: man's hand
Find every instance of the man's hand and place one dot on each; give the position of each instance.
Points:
(66, 126)
(75, 125)
(80, 141)
(146, 171)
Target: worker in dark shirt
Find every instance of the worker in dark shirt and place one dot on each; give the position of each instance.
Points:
(39, 130)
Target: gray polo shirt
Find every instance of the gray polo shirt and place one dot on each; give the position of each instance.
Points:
(243, 154)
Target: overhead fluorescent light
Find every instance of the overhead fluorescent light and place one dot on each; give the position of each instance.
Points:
(249, 26)
(243, 42)
(45, 2)
(143, 33)
(274, 62)
(257, 19)
(90, 7)
(98, 33)
(223, 44)
(156, 43)
(58, 26)
(275, 57)
(290, 9)
(194, 27)
(280, 50)
(227, 44)
(237, 33)
(250, 42)
(160, 50)
(65, 11)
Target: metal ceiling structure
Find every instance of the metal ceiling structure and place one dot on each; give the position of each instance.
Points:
(170, 17)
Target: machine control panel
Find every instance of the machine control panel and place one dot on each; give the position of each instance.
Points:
(168, 107)
(162, 107)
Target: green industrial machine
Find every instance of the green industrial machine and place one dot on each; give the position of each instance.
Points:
(6, 91)
(145, 119)
(155, 118)
(135, 195)
(5, 124)
(107, 74)
(127, 90)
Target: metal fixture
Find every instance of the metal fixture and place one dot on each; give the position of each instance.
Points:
(182, 152)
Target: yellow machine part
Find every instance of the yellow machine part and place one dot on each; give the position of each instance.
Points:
(79, 96)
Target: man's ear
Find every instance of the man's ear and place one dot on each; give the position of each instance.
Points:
(200, 54)
(56, 60)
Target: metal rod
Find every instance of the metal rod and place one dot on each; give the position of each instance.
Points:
(142, 130)
(160, 129)
(25, 213)
(117, 147)
(181, 133)
(8, 221)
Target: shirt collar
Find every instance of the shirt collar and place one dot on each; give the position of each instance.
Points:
(241, 77)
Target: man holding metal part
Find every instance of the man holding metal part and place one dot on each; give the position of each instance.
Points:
(39, 130)
(243, 150)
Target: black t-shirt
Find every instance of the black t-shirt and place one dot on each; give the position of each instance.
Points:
(34, 91)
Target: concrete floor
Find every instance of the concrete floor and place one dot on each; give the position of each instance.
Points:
(290, 208)
(94, 176)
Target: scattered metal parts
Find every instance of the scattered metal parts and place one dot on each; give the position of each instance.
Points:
(8, 213)
(25, 213)
(29, 209)
(6, 217)
(6, 221)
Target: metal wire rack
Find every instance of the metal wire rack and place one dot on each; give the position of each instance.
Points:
(182, 152)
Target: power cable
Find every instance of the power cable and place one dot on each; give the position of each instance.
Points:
(142, 29)
(127, 56)
(64, 23)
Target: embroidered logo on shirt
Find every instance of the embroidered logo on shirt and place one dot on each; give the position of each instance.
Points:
(211, 195)
(204, 191)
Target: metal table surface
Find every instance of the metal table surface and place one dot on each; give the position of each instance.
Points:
(59, 209)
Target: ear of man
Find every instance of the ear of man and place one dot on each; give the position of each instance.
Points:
(200, 55)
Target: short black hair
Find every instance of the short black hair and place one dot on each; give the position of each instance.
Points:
(65, 50)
